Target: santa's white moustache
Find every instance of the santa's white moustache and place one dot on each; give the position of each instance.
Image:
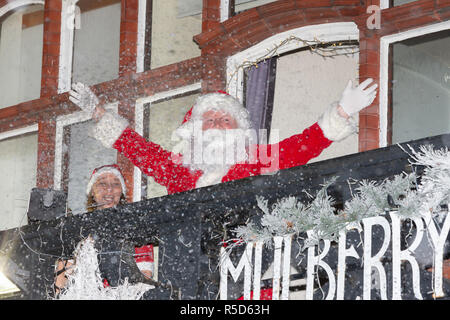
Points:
(215, 149)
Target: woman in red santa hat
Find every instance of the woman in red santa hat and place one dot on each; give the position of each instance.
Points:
(207, 153)
(106, 189)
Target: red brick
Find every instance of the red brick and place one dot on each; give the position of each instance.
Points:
(366, 145)
(127, 26)
(52, 26)
(312, 14)
(52, 15)
(369, 57)
(53, 4)
(131, 15)
(313, 3)
(347, 2)
(409, 10)
(369, 121)
(203, 38)
(443, 14)
(285, 21)
(369, 44)
(241, 20)
(350, 12)
(276, 8)
(52, 37)
(246, 37)
(373, 109)
(407, 24)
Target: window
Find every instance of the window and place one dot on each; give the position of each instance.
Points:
(97, 41)
(395, 3)
(172, 32)
(242, 5)
(420, 87)
(18, 160)
(161, 118)
(21, 35)
(305, 86)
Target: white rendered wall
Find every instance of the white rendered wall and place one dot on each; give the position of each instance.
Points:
(306, 84)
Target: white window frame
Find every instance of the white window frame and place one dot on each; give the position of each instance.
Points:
(385, 42)
(15, 133)
(224, 12)
(384, 4)
(11, 5)
(141, 36)
(68, 11)
(19, 132)
(139, 123)
(61, 122)
(327, 32)
(68, 14)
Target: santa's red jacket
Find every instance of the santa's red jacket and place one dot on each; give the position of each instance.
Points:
(113, 131)
(156, 162)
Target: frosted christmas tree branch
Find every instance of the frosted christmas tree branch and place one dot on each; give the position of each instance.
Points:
(370, 198)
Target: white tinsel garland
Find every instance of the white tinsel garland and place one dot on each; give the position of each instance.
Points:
(290, 216)
(85, 283)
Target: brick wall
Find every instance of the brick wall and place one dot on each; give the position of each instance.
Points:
(217, 41)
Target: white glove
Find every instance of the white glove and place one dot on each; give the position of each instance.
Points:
(83, 97)
(355, 99)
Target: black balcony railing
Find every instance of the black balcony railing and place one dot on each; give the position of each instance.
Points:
(187, 227)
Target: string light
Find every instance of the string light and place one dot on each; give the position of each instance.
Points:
(324, 49)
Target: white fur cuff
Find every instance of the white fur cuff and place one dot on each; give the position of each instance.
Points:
(334, 126)
(109, 128)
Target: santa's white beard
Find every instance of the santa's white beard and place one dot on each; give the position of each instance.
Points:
(214, 151)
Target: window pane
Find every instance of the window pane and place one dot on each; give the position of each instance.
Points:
(97, 42)
(305, 86)
(18, 159)
(163, 118)
(84, 155)
(21, 35)
(172, 35)
(400, 2)
(421, 87)
(241, 5)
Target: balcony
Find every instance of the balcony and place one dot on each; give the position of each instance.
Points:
(190, 229)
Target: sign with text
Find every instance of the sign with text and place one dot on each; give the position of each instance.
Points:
(383, 257)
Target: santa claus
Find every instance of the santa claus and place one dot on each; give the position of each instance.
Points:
(216, 141)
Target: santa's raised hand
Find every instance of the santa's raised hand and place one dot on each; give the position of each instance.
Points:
(83, 97)
(354, 100)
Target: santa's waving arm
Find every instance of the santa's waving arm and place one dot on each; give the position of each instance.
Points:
(335, 124)
(113, 131)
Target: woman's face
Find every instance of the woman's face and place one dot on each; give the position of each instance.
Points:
(107, 191)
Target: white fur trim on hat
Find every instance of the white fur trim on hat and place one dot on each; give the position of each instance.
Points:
(103, 170)
(109, 128)
(222, 102)
(334, 126)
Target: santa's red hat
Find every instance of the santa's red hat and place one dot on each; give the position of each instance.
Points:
(219, 101)
(110, 168)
